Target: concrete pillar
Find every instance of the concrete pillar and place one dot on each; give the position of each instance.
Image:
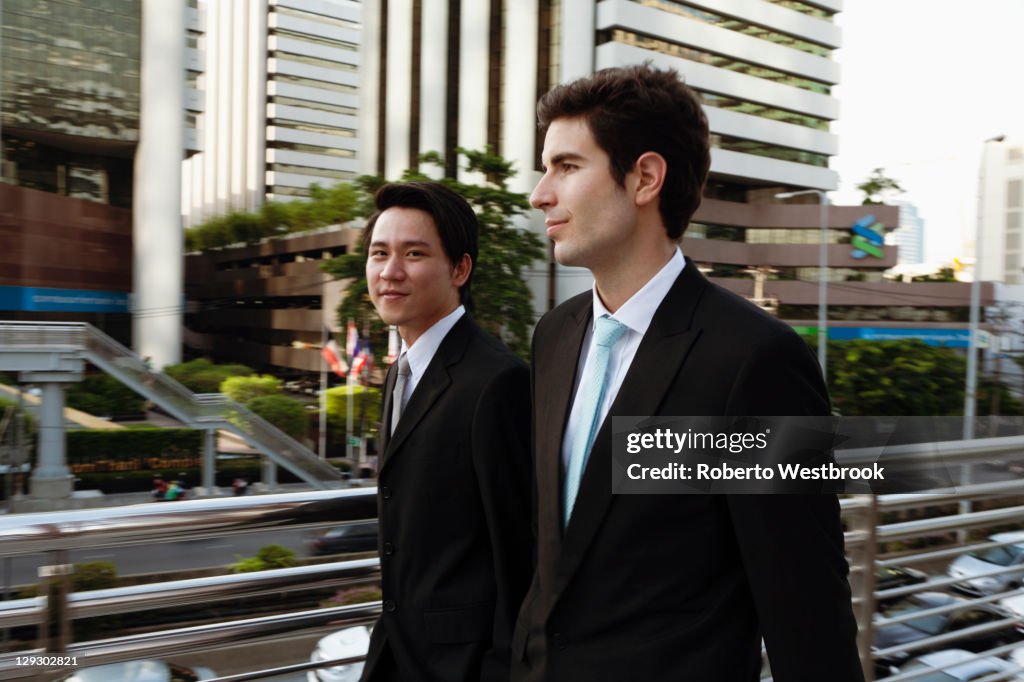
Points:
(209, 460)
(269, 474)
(158, 239)
(51, 477)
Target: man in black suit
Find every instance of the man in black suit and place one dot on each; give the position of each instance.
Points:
(453, 489)
(662, 587)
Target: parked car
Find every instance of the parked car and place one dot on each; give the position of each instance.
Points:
(1015, 607)
(891, 577)
(948, 666)
(353, 537)
(149, 670)
(968, 566)
(914, 630)
(353, 641)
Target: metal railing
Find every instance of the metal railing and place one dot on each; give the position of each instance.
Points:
(208, 411)
(56, 533)
(863, 513)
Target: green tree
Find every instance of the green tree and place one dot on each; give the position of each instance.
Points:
(245, 388)
(366, 403)
(898, 378)
(502, 301)
(877, 184)
(285, 413)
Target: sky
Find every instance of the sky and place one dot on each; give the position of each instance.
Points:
(923, 84)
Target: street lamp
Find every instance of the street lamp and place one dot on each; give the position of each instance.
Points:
(822, 271)
(970, 394)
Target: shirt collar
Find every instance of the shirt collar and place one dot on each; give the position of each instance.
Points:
(637, 312)
(422, 352)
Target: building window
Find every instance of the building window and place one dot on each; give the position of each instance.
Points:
(1014, 194)
(695, 55)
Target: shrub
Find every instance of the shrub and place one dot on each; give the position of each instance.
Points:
(353, 595)
(87, 445)
(94, 575)
(268, 557)
(242, 389)
(285, 413)
(103, 395)
(202, 376)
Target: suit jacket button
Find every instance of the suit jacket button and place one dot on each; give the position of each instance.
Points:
(390, 606)
(385, 492)
(389, 549)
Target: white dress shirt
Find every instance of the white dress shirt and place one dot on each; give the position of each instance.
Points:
(422, 351)
(636, 314)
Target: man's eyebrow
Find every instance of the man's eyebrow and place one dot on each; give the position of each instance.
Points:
(406, 244)
(565, 156)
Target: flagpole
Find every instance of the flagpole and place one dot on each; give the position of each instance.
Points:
(322, 451)
(348, 420)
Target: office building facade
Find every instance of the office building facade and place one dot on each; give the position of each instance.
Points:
(92, 141)
(1000, 211)
(282, 104)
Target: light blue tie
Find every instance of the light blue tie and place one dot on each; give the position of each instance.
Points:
(607, 332)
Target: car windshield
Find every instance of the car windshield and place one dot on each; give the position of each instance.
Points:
(1000, 556)
(930, 625)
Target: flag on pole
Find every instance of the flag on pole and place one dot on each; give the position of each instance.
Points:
(351, 341)
(363, 358)
(332, 354)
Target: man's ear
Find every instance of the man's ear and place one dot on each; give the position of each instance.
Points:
(650, 169)
(460, 273)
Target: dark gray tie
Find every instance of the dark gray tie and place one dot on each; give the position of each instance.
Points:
(399, 392)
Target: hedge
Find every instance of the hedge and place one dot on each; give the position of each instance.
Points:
(89, 445)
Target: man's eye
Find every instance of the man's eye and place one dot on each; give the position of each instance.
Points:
(569, 167)
(415, 254)
(377, 253)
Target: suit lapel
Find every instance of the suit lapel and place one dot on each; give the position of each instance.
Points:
(432, 384)
(389, 388)
(655, 367)
(556, 376)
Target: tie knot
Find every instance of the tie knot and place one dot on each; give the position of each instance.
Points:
(608, 331)
(403, 365)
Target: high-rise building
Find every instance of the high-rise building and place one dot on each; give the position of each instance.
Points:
(1000, 210)
(92, 139)
(282, 103)
(909, 236)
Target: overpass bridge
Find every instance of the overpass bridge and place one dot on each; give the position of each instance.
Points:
(53, 354)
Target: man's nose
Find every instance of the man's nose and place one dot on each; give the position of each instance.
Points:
(392, 269)
(541, 196)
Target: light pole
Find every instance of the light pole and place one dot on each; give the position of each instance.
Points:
(970, 394)
(822, 270)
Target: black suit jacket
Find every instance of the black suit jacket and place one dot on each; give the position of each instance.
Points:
(682, 587)
(453, 503)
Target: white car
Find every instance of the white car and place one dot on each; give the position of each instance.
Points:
(345, 643)
(948, 666)
(967, 566)
(149, 670)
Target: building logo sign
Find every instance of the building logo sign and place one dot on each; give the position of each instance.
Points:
(868, 238)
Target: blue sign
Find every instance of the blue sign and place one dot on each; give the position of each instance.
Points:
(63, 300)
(950, 338)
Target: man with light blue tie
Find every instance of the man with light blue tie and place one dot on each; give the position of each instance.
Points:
(662, 587)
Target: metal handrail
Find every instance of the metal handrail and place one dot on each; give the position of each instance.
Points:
(58, 532)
